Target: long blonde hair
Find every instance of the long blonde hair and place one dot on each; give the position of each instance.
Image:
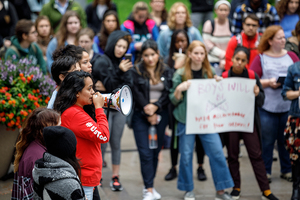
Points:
(172, 13)
(188, 61)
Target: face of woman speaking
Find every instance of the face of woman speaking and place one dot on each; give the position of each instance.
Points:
(239, 62)
(85, 96)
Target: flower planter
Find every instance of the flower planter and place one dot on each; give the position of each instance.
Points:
(7, 145)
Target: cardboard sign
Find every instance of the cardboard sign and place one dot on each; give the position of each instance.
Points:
(214, 107)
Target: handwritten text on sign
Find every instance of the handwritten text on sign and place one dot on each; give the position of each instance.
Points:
(214, 107)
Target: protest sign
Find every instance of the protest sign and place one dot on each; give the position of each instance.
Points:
(214, 107)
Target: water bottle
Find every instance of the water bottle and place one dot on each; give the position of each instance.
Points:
(152, 134)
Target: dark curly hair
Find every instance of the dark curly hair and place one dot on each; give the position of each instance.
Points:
(282, 7)
(71, 85)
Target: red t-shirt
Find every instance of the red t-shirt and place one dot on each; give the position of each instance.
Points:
(232, 44)
(89, 135)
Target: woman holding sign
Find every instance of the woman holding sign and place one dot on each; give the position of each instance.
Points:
(291, 91)
(271, 66)
(196, 66)
(251, 140)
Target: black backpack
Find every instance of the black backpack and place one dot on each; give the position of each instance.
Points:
(212, 21)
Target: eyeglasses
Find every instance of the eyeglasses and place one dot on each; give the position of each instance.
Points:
(253, 25)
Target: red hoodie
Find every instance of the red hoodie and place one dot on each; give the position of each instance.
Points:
(250, 44)
(89, 135)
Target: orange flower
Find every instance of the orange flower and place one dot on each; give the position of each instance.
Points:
(8, 97)
(23, 100)
(25, 106)
(35, 98)
(48, 98)
(3, 102)
(14, 101)
(29, 78)
(46, 101)
(32, 76)
(12, 122)
(23, 79)
(3, 119)
(34, 91)
(19, 95)
(10, 102)
(28, 111)
(21, 75)
(37, 90)
(2, 114)
(11, 115)
(9, 124)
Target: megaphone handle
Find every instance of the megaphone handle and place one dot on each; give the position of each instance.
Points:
(110, 101)
(108, 107)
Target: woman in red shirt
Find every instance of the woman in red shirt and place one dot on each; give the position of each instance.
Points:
(76, 91)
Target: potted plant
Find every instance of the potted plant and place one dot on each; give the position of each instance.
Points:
(23, 87)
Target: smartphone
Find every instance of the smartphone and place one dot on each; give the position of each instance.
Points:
(128, 56)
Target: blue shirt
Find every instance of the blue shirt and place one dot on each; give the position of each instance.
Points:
(288, 23)
(60, 8)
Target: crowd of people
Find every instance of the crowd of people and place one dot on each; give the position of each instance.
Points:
(61, 149)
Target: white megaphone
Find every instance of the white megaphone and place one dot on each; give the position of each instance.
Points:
(120, 101)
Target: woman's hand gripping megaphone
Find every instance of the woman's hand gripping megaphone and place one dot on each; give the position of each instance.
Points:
(98, 100)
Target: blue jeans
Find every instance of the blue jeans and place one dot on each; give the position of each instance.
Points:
(213, 148)
(272, 129)
(148, 157)
(88, 191)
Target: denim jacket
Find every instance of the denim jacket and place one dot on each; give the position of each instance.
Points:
(292, 82)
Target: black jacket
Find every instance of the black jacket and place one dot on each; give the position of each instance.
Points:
(259, 102)
(106, 67)
(92, 18)
(202, 5)
(141, 89)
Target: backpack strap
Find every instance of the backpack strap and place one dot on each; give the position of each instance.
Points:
(230, 24)
(225, 74)
(15, 49)
(212, 21)
(251, 74)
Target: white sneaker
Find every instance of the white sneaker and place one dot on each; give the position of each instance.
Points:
(155, 193)
(189, 196)
(149, 196)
